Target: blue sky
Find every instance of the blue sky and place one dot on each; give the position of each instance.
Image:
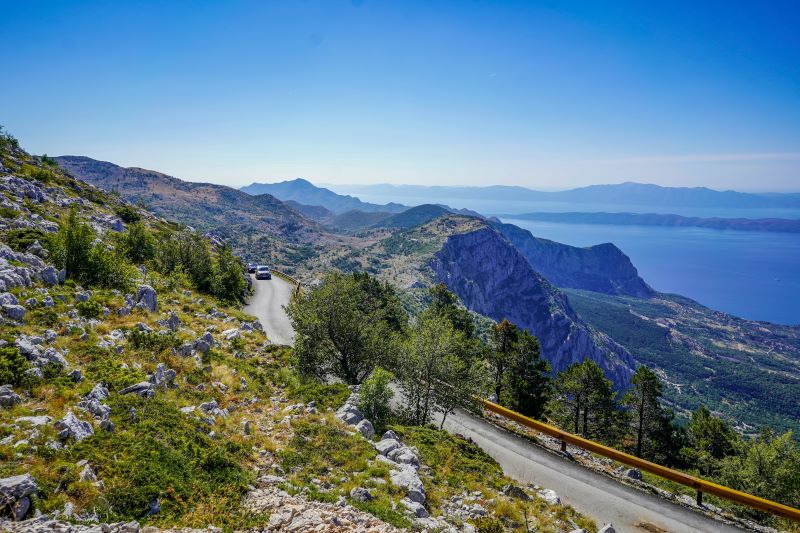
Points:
(542, 94)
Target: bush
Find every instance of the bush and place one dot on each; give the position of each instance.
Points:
(43, 316)
(19, 239)
(152, 341)
(128, 214)
(12, 365)
(137, 244)
(333, 395)
(73, 248)
(89, 308)
(159, 453)
(229, 282)
(374, 397)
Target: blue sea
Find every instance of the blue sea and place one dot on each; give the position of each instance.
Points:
(754, 275)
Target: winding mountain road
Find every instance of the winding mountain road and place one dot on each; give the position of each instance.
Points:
(266, 304)
(601, 498)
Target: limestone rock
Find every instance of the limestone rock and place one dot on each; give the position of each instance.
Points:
(147, 297)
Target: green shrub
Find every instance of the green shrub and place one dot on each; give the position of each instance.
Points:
(333, 395)
(40, 174)
(19, 239)
(73, 249)
(159, 453)
(8, 212)
(487, 524)
(152, 341)
(89, 308)
(104, 370)
(374, 397)
(128, 214)
(12, 365)
(42, 316)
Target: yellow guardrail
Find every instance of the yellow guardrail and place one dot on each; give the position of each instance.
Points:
(700, 485)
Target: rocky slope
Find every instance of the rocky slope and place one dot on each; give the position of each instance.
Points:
(261, 228)
(153, 405)
(600, 268)
(745, 370)
(492, 278)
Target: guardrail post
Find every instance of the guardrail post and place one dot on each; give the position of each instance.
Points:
(699, 498)
(563, 446)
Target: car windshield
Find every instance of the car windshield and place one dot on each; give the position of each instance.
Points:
(263, 269)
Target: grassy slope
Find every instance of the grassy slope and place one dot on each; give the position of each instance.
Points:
(747, 372)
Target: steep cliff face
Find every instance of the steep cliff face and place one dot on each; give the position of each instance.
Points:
(492, 278)
(601, 268)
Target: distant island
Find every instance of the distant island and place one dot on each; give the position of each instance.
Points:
(781, 225)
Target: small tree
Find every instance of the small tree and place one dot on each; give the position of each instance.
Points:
(710, 440)
(229, 282)
(463, 377)
(342, 329)
(375, 396)
(137, 244)
(583, 400)
(528, 383)
(445, 304)
(503, 354)
(645, 410)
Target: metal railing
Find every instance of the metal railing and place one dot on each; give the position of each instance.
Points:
(700, 485)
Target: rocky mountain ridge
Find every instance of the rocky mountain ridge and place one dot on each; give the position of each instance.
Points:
(600, 268)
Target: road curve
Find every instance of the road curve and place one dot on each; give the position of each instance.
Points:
(592, 494)
(266, 304)
(599, 497)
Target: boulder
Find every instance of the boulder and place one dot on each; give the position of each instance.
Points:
(14, 312)
(407, 478)
(15, 492)
(163, 377)
(147, 298)
(386, 446)
(72, 426)
(349, 414)
(360, 494)
(634, 473)
(365, 428)
(231, 334)
(512, 491)
(173, 321)
(7, 298)
(49, 276)
(8, 397)
(550, 496)
(415, 508)
(143, 389)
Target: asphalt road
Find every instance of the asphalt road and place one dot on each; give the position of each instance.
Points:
(592, 494)
(266, 304)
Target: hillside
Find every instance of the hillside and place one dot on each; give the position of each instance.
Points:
(491, 278)
(748, 371)
(305, 192)
(135, 392)
(781, 225)
(260, 228)
(600, 268)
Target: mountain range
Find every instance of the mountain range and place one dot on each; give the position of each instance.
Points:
(580, 302)
(304, 192)
(659, 219)
(628, 193)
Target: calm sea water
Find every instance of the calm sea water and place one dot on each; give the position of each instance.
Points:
(749, 274)
(754, 275)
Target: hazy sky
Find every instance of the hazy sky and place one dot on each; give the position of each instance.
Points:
(542, 94)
